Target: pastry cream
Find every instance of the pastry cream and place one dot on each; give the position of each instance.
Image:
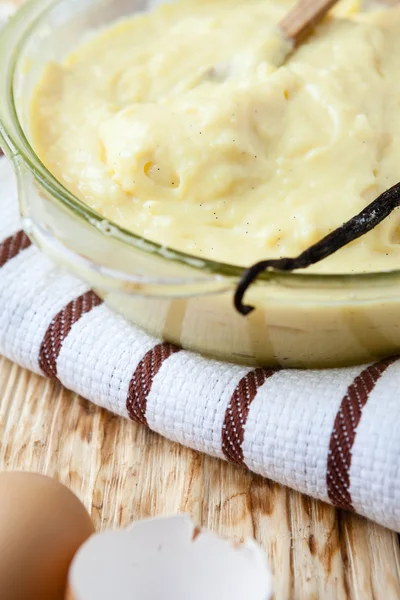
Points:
(181, 126)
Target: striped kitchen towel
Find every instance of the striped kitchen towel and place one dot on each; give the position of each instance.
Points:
(331, 434)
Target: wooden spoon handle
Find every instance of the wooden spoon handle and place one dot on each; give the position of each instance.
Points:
(303, 17)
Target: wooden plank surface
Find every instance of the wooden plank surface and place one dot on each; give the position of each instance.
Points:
(123, 472)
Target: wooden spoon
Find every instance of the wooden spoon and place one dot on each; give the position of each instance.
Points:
(302, 18)
(292, 29)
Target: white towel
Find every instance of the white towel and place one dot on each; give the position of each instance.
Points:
(331, 434)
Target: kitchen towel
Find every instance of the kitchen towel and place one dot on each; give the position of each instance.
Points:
(331, 434)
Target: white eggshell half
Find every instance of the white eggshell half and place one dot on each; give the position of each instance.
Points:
(168, 558)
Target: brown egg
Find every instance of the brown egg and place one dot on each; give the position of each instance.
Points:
(42, 525)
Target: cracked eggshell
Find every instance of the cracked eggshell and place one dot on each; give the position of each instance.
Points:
(168, 558)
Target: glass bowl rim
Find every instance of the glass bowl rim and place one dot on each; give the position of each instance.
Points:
(20, 146)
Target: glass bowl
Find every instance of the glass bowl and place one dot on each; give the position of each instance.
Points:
(301, 320)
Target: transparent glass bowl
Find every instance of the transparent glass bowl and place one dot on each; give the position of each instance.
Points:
(301, 320)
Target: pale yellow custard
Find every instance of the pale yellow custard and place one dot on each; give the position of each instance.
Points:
(178, 125)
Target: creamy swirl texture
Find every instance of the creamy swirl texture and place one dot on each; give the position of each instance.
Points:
(179, 126)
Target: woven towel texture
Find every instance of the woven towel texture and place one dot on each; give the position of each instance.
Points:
(330, 434)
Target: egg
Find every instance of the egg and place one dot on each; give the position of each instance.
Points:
(42, 525)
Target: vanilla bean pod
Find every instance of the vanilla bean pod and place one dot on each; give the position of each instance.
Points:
(356, 227)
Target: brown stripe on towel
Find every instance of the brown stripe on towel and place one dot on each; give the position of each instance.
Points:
(60, 327)
(344, 433)
(237, 412)
(12, 246)
(142, 380)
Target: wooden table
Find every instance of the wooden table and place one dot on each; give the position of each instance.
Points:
(123, 472)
